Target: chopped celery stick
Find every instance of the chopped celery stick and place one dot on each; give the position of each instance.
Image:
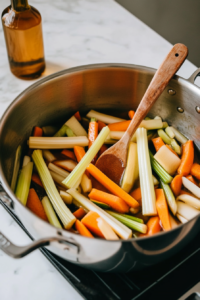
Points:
(151, 124)
(116, 135)
(103, 117)
(129, 217)
(120, 229)
(23, 184)
(78, 171)
(51, 216)
(57, 142)
(48, 155)
(16, 167)
(49, 130)
(129, 222)
(67, 198)
(169, 196)
(169, 132)
(176, 147)
(166, 178)
(155, 180)
(76, 127)
(61, 209)
(69, 132)
(131, 173)
(58, 170)
(164, 137)
(101, 204)
(165, 125)
(158, 118)
(26, 160)
(145, 174)
(179, 136)
(61, 132)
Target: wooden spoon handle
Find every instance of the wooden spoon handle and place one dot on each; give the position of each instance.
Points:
(165, 72)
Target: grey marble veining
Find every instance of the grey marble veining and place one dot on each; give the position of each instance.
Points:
(76, 32)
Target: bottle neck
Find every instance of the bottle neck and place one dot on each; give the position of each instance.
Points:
(20, 5)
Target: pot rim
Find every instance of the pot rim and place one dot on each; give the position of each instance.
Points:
(41, 81)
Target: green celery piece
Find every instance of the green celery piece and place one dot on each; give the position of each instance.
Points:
(128, 222)
(169, 132)
(24, 182)
(179, 136)
(164, 136)
(101, 204)
(62, 131)
(158, 169)
(169, 196)
(69, 132)
(133, 218)
(58, 204)
(78, 171)
(16, 167)
(51, 215)
(176, 147)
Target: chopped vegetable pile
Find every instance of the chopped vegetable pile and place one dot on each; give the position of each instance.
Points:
(58, 179)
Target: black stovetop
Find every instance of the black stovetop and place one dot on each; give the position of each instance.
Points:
(168, 280)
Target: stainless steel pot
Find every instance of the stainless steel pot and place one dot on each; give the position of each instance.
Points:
(104, 87)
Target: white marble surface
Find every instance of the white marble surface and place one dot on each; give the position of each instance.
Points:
(76, 32)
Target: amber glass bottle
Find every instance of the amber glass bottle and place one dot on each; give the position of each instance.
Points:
(22, 26)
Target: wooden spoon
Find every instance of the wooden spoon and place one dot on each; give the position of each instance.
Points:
(113, 161)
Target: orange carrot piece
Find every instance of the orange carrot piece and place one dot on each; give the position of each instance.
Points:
(77, 116)
(191, 178)
(131, 114)
(168, 146)
(176, 185)
(35, 178)
(101, 125)
(69, 154)
(162, 208)
(90, 222)
(187, 159)
(119, 126)
(37, 131)
(158, 143)
(80, 227)
(195, 170)
(111, 186)
(34, 204)
(137, 195)
(79, 213)
(115, 202)
(182, 192)
(153, 226)
(102, 149)
(79, 152)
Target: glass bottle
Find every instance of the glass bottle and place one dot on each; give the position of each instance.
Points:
(22, 26)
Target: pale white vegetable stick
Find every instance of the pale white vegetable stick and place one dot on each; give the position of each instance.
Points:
(103, 117)
(48, 155)
(181, 219)
(106, 230)
(192, 201)
(191, 187)
(76, 127)
(155, 180)
(57, 178)
(26, 160)
(186, 211)
(67, 198)
(167, 159)
(173, 222)
(57, 142)
(86, 184)
(58, 170)
(67, 164)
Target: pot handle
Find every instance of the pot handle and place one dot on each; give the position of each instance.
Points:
(194, 76)
(20, 251)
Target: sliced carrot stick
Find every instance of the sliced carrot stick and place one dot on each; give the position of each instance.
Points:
(77, 116)
(176, 185)
(79, 213)
(131, 114)
(37, 131)
(158, 143)
(90, 221)
(195, 170)
(119, 126)
(187, 159)
(80, 227)
(191, 178)
(69, 154)
(115, 202)
(35, 178)
(183, 192)
(111, 186)
(153, 226)
(34, 204)
(101, 125)
(92, 135)
(79, 152)
(102, 149)
(137, 195)
(168, 146)
(162, 208)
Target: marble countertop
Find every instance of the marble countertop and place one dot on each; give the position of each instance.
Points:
(75, 33)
